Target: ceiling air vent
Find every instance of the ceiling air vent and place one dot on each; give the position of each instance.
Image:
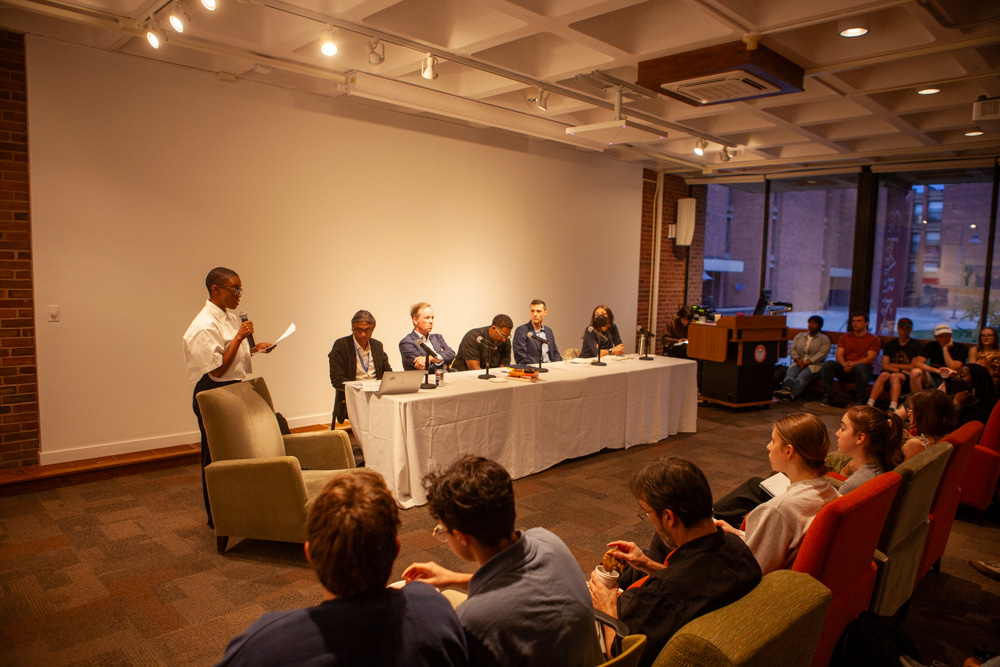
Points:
(720, 74)
(723, 87)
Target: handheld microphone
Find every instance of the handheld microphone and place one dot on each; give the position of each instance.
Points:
(644, 331)
(539, 337)
(597, 333)
(428, 348)
(243, 318)
(487, 343)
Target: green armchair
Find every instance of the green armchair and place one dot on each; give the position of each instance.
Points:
(260, 483)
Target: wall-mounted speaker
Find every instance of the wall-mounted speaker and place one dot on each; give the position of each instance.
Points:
(685, 221)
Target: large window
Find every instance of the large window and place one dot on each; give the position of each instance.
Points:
(811, 247)
(930, 250)
(734, 220)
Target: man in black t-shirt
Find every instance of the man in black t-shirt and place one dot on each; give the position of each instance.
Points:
(494, 346)
(898, 356)
(940, 359)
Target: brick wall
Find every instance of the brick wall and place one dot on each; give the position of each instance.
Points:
(18, 378)
(673, 259)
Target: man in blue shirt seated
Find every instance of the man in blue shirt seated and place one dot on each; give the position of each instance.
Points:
(707, 570)
(352, 545)
(526, 349)
(528, 601)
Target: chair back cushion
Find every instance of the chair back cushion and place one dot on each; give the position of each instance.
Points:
(777, 623)
(942, 512)
(990, 437)
(839, 545)
(921, 474)
(239, 423)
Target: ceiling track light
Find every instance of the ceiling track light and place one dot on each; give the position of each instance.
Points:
(328, 41)
(154, 35)
(428, 68)
(375, 57)
(540, 99)
(700, 146)
(210, 5)
(725, 155)
(179, 16)
(973, 132)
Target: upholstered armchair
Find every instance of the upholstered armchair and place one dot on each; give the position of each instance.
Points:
(979, 484)
(839, 551)
(777, 623)
(260, 483)
(901, 545)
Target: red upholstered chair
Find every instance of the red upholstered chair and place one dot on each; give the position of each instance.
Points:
(838, 550)
(942, 514)
(980, 480)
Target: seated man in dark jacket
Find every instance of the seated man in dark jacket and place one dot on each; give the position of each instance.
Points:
(355, 357)
(708, 570)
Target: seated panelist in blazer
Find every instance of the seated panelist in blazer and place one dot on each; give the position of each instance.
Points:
(409, 348)
(525, 348)
(355, 357)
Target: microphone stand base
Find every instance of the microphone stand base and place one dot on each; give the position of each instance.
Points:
(542, 370)
(486, 376)
(428, 385)
(597, 363)
(646, 358)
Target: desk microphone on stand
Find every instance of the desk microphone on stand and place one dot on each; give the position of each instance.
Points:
(542, 340)
(429, 352)
(490, 346)
(600, 339)
(646, 335)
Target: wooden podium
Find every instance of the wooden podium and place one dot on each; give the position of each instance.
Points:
(738, 354)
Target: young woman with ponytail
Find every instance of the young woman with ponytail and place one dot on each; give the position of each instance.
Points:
(873, 439)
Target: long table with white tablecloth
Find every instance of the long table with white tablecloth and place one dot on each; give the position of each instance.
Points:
(573, 410)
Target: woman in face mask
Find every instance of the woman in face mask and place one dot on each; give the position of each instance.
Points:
(602, 333)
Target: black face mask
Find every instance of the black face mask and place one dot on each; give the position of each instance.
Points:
(601, 321)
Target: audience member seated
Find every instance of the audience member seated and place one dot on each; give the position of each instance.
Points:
(603, 333)
(976, 401)
(990, 360)
(526, 350)
(987, 343)
(808, 351)
(898, 356)
(528, 603)
(775, 525)
(872, 439)
(355, 357)
(414, 356)
(485, 346)
(676, 336)
(940, 359)
(931, 414)
(352, 545)
(856, 351)
(709, 568)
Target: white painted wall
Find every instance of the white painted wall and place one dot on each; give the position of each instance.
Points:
(144, 176)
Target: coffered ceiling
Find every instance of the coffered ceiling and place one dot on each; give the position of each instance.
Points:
(497, 59)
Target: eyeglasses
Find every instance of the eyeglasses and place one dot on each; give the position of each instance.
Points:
(643, 515)
(986, 335)
(502, 335)
(364, 330)
(440, 532)
(235, 289)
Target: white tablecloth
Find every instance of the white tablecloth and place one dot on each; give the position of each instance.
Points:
(576, 409)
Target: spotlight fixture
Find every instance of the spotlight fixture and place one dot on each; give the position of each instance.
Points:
(375, 57)
(428, 69)
(856, 26)
(210, 5)
(700, 146)
(179, 17)
(973, 132)
(725, 155)
(541, 99)
(327, 44)
(154, 35)
(928, 91)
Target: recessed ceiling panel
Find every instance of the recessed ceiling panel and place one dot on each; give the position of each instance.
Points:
(763, 14)
(730, 122)
(804, 150)
(890, 30)
(450, 24)
(555, 7)
(544, 55)
(853, 129)
(940, 119)
(819, 112)
(642, 28)
(885, 143)
(910, 71)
